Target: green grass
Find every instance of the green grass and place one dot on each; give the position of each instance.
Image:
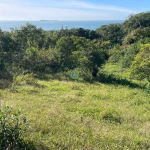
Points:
(68, 115)
(117, 69)
(124, 73)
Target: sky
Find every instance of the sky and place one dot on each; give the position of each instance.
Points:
(71, 9)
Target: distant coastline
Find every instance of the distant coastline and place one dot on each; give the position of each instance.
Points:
(49, 20)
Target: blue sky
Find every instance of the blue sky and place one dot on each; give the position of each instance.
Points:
(71, 9)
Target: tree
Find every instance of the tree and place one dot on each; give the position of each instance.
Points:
(140, 67)
(65, 46)
(140, 20)
(111, 32)
(128, 53)
(137, 35)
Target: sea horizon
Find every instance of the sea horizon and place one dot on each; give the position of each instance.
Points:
(6, 25)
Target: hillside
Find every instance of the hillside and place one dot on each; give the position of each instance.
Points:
(73, 115)
(105, 106)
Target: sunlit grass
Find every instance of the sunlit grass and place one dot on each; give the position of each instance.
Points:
(72, 115)
(117, 69)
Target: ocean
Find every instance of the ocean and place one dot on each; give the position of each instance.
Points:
(57, 25)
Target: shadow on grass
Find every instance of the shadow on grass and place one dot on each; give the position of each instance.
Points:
(32, 146)
(116, 80)
(28, 146)
(101, 77)
(5, 83)
(44, 76)
(58, 76)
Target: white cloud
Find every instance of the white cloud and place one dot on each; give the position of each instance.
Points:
(61, 10)
(87, 5)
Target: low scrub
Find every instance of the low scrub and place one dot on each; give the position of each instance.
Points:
(13, 127)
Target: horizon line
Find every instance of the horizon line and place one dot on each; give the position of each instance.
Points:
(70, 20)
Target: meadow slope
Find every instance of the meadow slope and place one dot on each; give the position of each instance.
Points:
(70, 115)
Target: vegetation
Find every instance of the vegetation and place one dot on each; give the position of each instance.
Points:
(80, 115)
(141, 65)
(12, 129)
(107, 107)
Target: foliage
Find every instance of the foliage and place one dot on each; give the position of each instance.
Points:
(131, 37)
(140, 20)
(65, 46)
(79, 32)
(128, 53)
(13, 126)
(28, 78)
(140, 67)
(29, 49)
(124, 54)
(137, 35)
(77, 113)
(115, 54)
(111, 32)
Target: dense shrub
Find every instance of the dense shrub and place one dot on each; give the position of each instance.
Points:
(140, 67)
(13, 127)
(128, 54)
(115, 54)
(33, 50)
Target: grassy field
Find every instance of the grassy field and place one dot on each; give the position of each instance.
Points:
(70, 115)
(117, 70)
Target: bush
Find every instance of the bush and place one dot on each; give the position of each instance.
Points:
(29, 79)
(13, 127)
(140, 67)
(129, 52)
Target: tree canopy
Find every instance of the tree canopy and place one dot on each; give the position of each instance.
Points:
(34, 50)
